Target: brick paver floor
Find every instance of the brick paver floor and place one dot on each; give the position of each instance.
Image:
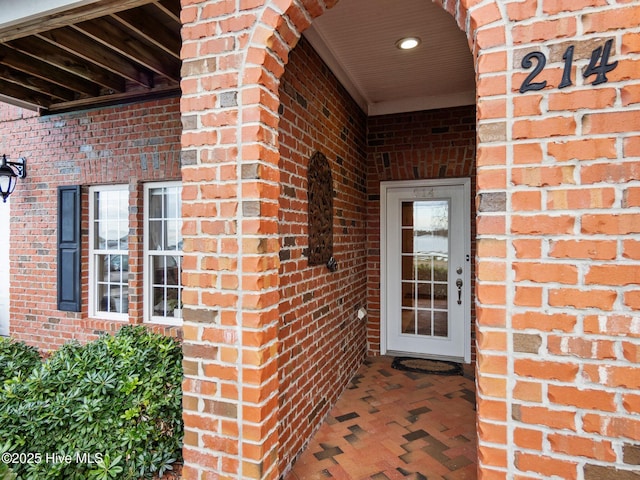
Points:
(393, 424)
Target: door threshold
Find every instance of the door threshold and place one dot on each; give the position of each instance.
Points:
(394, 353)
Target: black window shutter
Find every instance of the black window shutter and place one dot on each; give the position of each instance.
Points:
(69, 248)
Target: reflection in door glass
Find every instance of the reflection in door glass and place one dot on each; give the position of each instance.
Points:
(425, 267)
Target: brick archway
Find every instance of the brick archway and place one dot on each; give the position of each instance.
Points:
(231, 194)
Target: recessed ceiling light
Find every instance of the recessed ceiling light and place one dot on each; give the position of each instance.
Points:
(408, 43)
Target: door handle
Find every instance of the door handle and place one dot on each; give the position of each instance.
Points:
(459, 285)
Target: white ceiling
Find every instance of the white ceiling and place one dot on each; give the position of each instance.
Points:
(357, 40)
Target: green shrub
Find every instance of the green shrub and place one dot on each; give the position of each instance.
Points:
(16, 359)
(109, 409)
(6, 473)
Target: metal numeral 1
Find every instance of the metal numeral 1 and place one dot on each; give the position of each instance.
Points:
(568, 64)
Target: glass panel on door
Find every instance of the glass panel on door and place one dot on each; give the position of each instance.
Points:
(425, 268)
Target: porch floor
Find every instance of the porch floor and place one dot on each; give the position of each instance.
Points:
(393, 424)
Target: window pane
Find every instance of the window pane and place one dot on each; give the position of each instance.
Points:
(408, 321)
(156, 235)
(425, 265)
(408, 294)
(110, 264)
(424, 322)
(174, 238)
(441, 324)
(112, 277)
(155, 202)
(166, 288)
(164, 244)
(172, 203)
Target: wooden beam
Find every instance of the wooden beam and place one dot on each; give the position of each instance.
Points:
(121, 41)
(148, 26)
(24, 94)
(115, 99)
(171, 8)
(33, 26)
(85, 48)
(38, 69)
(19, 103)
(36, 84)
(67, 62)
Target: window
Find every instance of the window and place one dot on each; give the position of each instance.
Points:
(163, 253)
(108, 252)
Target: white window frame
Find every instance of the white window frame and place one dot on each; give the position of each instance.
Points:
(94, 253)
(149, 304)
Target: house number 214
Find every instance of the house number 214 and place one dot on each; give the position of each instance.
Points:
(598, 65)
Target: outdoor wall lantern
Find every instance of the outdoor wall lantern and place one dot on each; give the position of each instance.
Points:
(9, 173)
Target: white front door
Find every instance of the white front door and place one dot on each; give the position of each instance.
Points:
(425, 281)
(4, 268)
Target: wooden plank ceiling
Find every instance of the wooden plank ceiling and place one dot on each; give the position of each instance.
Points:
(108, 52)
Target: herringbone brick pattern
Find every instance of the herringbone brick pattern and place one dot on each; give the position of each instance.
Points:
(392, 424)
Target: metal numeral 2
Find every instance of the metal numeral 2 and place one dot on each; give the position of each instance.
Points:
(598, 65)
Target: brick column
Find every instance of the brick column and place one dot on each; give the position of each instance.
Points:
(230, 207)
(557, 273)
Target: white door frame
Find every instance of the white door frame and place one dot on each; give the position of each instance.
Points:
(384, 187)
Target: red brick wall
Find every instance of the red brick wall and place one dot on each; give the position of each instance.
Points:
(129, 144)
(322, 342)
(556, 316)
(557, 321)
(413, 146)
